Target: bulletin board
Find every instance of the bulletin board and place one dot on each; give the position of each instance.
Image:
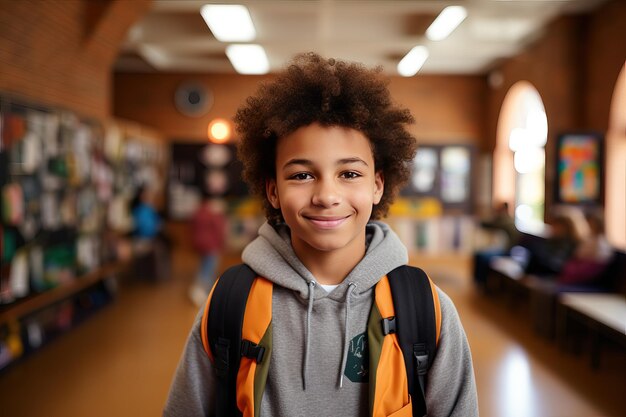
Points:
(65, 181)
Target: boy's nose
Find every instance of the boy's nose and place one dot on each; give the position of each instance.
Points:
(326, 194)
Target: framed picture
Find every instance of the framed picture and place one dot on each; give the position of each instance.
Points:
(579, 168)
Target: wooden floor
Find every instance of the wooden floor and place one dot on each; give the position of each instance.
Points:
(120, 362)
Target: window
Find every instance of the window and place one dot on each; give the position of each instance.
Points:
(519, 157)
(615, 173)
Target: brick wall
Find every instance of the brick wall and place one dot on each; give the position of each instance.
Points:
(574, 66)
(446, 108)
(60, 52)
(606, 54)
(550, 65)
(149, 99)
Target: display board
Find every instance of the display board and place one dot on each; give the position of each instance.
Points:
(443, 172)
(51, 212)
(65, 182)
(199, 168)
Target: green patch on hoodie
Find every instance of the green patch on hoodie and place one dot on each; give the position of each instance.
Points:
(357, 365)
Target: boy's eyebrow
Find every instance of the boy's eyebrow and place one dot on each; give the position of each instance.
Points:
(351, 161)
(308, 162)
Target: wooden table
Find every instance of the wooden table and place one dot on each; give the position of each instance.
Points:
(603, 314)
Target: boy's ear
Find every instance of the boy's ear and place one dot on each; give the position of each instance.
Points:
(379, 186)
(271, 191)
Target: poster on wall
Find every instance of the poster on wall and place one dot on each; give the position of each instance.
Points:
(579, 168)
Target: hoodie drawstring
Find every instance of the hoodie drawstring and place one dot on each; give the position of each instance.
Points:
(351, 288)
(305, 364)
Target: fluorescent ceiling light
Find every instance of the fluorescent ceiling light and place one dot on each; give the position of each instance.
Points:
(446, 22)
(248, 59)
(229, 22)
(413, 61)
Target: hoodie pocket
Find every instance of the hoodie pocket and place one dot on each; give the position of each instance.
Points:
(406, 411)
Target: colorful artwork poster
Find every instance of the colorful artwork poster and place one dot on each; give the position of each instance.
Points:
(579, 168)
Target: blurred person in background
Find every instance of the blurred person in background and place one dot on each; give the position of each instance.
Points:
(547, 257)
(208, 234)
(591, 256)
(151, 246)
(504, 223)
(147, 222)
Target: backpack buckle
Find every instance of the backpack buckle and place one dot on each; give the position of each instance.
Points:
(389, 325)
(252, 350)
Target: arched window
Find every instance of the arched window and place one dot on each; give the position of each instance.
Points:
(615, 176)
(519, 156)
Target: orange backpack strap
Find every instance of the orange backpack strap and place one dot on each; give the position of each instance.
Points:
(256, 348)
(236, 334)
(410, 317)
(389, 389)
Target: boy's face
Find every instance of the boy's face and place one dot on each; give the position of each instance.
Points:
(325, 187)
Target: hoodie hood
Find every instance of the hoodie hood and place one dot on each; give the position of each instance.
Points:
(271, 256)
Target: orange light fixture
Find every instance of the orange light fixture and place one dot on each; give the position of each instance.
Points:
(219, 131)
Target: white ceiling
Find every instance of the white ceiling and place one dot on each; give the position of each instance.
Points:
(172, 37)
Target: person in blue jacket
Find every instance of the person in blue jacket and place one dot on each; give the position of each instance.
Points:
(147, 222)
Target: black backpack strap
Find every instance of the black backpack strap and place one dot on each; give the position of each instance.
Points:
(224, 323)
(416, 328)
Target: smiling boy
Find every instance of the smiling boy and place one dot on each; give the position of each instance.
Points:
(325, 187)
(327, 151)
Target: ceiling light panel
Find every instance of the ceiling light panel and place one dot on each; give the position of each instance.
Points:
(446, 22)
(413, 61)
(229, 22)
(248, 59)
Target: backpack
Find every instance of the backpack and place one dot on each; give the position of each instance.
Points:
(236, 334)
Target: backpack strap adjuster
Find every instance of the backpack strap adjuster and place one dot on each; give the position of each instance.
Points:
(252, 350)
(420, 354)
(221, 364)
(421, 361)
(389, 325)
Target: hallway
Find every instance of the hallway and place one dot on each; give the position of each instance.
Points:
(120, 362)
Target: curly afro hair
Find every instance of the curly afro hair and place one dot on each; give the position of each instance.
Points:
(330, 93)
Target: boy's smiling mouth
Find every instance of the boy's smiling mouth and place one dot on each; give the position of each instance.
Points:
(326, 222)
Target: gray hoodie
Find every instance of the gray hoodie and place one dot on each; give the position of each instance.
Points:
(319, 358)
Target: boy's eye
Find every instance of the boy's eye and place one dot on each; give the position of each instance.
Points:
(301, 176)
(350, 175)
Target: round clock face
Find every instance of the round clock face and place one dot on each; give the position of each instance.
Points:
(193, 99)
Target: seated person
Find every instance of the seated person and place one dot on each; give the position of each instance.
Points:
(504, 222)
(547, 257)
(591, 256)
(501, 221)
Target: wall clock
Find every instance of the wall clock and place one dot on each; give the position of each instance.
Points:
(193, 99)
